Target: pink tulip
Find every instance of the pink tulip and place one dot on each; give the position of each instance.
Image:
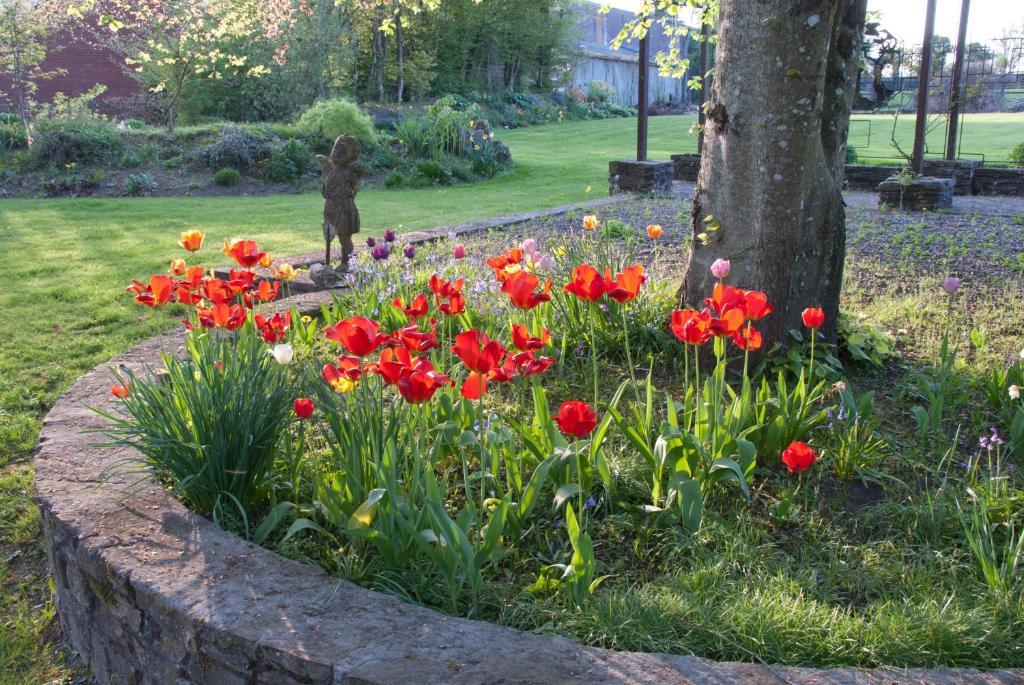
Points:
(460, 251)
(951, 284)
(721, 268)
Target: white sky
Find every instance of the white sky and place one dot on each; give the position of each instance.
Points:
(905, 18)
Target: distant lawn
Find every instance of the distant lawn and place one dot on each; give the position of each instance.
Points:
(983, 136)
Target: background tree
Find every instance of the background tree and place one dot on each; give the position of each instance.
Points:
(170, 43)
(25, 30)
(769, 192)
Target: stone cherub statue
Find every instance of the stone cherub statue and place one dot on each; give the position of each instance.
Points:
(342, 173)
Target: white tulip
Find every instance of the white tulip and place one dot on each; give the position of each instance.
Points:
(282, 354)
(1014, 392)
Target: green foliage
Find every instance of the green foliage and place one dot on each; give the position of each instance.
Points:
(434, 172)
(600, 91)
(12, 136)
(328, 119)
(288, 161)
(865, 341)
(210, 426)
(227, 177)
(139, 184)
(1017, 154)
(78, 138)
(239, 148)
(858, 449)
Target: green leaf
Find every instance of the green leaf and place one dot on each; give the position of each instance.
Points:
(272, 521)
(691, 501)
(565, 492)
(726, 469)
(363, 516)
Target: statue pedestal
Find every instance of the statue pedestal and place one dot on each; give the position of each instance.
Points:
(923, 193)
(647, 177)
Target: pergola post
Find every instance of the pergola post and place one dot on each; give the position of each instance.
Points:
(642, 100)
(956, 90)
(920, 124)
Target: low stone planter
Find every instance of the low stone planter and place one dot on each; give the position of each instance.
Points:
(647, 177)
(923, 193)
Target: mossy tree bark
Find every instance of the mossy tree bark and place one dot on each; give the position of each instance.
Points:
(774, 152)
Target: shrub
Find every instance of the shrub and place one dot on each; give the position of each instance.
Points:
(238, 148)
(396, 179)
(600, 91)
(851, 155)
(78, 139)
(139, 184)
(1017, 155)
(9, 118)
(298, 152)
(413, 133)
(12, 136)
(328, 119)
(434, 171)
(227, 177)
(132, 157)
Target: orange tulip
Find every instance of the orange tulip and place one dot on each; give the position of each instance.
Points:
(521, 288)
(748, 339)
(246, 253)
(654, 231)
(191, 240)
(178, 267)
(266, 260)
(222, 316)
(626, 286)
(285, 272)
(586, 283)
(158, 292)
(590, 222)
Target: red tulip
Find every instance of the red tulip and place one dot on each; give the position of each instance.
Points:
(217, 291)
(813, 317)
(724, 298)
(626, 286)
(528, 364)
(393, 362)
(576, 418)
(755, 305)
(479, 353)
(691, 327)
(521, 289)
(586, 283)
(304, 407)
(222, 316)
(241, 281)
(523, 341)
(265, 292)
(419, 383)
(246, 253)
(119, 391)
(798, 457)
(730, 322)
(157, 293)
(359, 335)
(748, 338)
(347, 367)
(506, 264)
(274, 329)
(416, 340)
(448, 295)
(417, 308)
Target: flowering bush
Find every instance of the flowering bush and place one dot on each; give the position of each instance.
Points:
(414, 422)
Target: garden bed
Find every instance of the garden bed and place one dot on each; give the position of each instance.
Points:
(870, 568)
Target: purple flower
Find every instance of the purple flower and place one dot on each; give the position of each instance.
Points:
(390, 235)
(381, 252)
(951, 284)
(590, 503)
(409, 251)
(370, 242)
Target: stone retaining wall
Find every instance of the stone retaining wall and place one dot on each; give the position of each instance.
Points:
(971, 177)
(148, 592)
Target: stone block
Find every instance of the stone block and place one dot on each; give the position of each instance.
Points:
(647, 177)
(924, 193)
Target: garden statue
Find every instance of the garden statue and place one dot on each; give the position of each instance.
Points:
(342, 173)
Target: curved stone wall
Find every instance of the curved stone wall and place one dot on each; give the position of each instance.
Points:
(150, 593)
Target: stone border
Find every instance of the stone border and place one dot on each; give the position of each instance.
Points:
(148, 592)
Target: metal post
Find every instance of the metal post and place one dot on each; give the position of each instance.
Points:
(924, 74)
(642, 98)
(955, 91)
(703, 81)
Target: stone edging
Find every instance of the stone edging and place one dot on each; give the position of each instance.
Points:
(148, 592)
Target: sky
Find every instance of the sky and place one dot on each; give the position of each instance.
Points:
(905, 18)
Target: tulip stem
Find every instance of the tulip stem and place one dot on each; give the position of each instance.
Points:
(629, 357)
(593, 354)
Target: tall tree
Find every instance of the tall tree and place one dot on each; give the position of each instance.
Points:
(768, 195)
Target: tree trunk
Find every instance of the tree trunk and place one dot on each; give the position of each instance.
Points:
(400, 50)
(773, 157)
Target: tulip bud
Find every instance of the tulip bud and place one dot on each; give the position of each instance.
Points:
(951, 284)
(721, 268)
(460, 251)
(546, 263)
(409, 251)
(283, 353)
(529, 246)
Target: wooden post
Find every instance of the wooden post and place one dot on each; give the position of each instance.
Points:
(701, 117)
(920, 125)
(956, 90)
(642, 98)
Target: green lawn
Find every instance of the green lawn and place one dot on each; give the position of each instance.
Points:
(984, 136)
(66, 262)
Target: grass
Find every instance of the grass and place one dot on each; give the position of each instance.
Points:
(990, 137)
(65, 262)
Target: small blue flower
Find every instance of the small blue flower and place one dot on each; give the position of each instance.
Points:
(590, 503)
